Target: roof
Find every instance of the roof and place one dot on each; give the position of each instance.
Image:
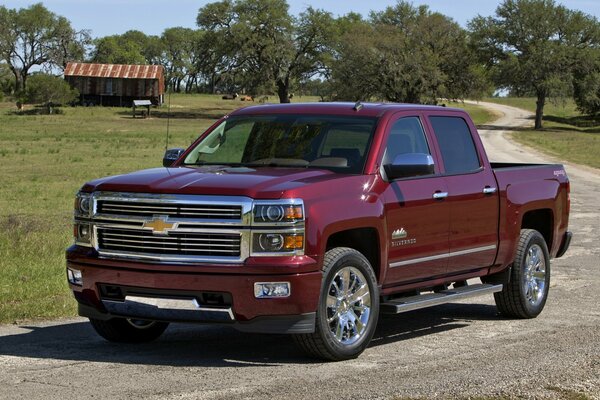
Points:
(337, 108)
(114, 71)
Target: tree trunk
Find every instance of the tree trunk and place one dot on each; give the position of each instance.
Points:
(19, 81)
(539, 108)
(283, 90)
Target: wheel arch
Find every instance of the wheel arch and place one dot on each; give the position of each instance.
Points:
(365, 240)
(541, 220)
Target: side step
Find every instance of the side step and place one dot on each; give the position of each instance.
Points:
(405, 304)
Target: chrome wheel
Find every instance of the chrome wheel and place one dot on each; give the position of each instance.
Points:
(348, 305)
(534, 282)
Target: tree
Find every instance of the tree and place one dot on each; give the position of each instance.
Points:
(586, 82)
(263, 46)
(34, 37)
(117, 50)
(178, 43)
(530, 46)
(49, 91)
(404, 54)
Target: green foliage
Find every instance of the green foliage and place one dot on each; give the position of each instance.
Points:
(532, 46)
(118, 50)
(34, 36)
(49, 91)
(262, 48)
(586, 82)
(404, 54)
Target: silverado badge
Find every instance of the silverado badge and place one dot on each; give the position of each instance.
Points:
(399, 234)
(159, 225)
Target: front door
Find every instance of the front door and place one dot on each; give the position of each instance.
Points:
(417, 218)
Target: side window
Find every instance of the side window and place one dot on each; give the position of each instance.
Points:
(406, 136)
(456, 144)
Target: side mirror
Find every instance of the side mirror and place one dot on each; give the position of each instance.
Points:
(409, 165)
(171, 156)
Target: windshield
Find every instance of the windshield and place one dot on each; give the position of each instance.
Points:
(314, 141)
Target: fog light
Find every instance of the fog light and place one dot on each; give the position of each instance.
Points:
(74, 276)
(266, 290)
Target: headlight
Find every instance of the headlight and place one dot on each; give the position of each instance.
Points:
(278, 213)
(278, 243)
(82, 229)
(83, 204)
(278, 228)
(82, 233)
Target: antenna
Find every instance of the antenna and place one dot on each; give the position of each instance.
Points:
(357, 106)
(168, 120)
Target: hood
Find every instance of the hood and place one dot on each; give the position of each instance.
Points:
(265, 183)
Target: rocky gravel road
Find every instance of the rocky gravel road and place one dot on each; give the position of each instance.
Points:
(457, 350)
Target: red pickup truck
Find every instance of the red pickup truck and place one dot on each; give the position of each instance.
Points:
(311, 220)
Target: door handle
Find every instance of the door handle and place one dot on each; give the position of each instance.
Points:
(489, 190)
(440, 195)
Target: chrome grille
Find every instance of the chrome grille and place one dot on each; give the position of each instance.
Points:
(174, 210)
(197, 244)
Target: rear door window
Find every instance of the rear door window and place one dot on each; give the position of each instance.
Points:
(459, 153)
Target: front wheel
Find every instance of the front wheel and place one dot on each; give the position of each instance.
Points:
(524, 296)
(348, 307)
(127, 330)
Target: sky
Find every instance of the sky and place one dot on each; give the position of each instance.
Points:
(109, 17)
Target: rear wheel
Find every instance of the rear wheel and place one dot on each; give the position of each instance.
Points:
(126, 330)
(348, 307)
(524, 296)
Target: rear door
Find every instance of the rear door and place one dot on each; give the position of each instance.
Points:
(417, 222)
(472, 194)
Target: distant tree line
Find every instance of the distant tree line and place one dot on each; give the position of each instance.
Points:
(404, 53)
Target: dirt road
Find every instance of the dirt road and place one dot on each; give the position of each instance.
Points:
(457, 350)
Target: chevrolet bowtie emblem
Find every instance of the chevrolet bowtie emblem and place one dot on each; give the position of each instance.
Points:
(159, 225)
(399, 234)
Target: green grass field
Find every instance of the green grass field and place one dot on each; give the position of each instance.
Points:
(567, 134)
(44, 159)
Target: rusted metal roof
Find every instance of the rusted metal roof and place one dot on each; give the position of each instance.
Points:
(114, 71)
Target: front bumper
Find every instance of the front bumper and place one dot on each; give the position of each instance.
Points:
(176, 296)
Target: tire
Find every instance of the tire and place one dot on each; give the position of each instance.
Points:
(348, 308)
(124, 330)
(524, 296)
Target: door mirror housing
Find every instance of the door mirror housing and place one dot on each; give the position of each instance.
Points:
(409, 165)
(171, 156)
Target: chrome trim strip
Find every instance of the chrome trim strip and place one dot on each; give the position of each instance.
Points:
(441, 256)
(176, 304)
(143, 305)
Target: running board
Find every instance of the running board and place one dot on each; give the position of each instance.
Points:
(411, 303)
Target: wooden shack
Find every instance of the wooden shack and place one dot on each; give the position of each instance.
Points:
(116, 84)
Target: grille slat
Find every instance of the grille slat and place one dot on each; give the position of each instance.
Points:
(179, 210)
(170, 249)
(180, 243)
(115, 236)
(150, 242)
